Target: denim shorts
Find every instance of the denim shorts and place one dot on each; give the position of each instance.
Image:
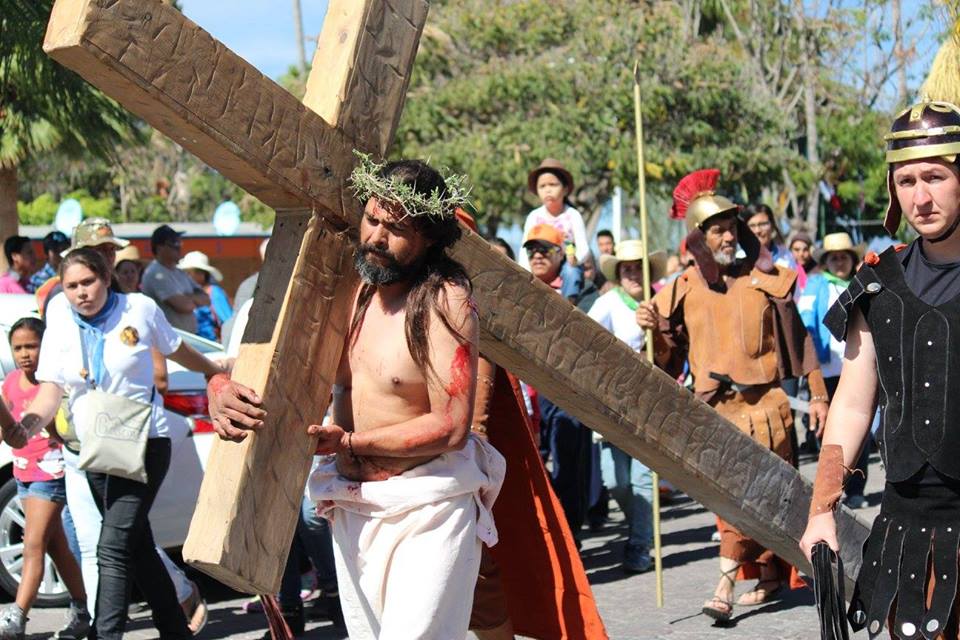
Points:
(49, 490)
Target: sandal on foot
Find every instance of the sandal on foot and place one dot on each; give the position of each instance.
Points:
(719, 609)
(761, 594)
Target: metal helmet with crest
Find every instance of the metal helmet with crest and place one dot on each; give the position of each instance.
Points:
(695, 200)
(930, 128)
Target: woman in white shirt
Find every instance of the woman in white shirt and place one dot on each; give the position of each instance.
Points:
(101, 339)
(630, 482)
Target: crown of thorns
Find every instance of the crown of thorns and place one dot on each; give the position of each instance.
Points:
(367, 181)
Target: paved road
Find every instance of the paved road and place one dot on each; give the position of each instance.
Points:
(626, 602)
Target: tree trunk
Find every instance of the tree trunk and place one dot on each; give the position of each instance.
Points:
(298, 29)
(810, 119)
(898, 54)
(9, 222)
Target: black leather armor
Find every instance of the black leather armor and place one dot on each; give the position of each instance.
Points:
(918, 361)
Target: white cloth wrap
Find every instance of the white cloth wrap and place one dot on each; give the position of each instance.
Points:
(408, 548)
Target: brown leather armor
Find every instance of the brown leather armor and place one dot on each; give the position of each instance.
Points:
(731, 334)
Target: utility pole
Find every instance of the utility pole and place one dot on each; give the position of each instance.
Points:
(899, 55)
(298, 28)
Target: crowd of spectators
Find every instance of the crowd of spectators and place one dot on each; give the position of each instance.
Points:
(584, 469)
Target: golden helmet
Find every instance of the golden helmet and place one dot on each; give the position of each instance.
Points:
(929, 129)
(694, 199)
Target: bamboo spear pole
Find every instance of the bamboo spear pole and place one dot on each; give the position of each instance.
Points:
(648, 343)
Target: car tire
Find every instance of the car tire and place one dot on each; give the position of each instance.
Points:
(52, 593)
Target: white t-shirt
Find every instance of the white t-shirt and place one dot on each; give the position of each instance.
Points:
(617, 318)
(134, 327)
(569, 223)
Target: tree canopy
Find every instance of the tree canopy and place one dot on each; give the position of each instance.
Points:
(500, 84)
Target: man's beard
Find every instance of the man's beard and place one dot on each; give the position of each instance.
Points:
(724, 259)
(371, 273)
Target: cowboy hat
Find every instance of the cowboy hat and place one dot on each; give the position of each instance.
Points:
(554, 167)
(199, 260)
(629, 251)
(839, 242)
(93, 232)
(130, 252)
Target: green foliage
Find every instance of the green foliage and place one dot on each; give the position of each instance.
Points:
(43, 209)
(496, 90)
(42, 104)
(295, 81)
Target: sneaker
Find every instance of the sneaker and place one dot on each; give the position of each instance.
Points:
(856, 502)
(253, 605)
(78, 623)
(195, 610)
(636, 560)
(638, 565)
(326, 606)
(13, 624)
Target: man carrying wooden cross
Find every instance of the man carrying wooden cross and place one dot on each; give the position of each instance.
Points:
(407, 550)
(736, 322)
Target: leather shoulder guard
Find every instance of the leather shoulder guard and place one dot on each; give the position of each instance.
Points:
(670, 297)
(865, 283)
(776, 284)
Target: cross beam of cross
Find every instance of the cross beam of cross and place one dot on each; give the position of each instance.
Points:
(296, 157)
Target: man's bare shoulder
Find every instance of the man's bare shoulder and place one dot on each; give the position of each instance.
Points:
(457, 303)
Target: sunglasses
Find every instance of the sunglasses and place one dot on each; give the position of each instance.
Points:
(545, 250)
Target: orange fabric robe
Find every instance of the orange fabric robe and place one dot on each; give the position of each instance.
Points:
(546, 588)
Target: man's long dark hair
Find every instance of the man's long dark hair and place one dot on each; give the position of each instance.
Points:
(434, 272)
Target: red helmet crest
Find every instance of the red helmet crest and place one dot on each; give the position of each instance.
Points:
(692, 186)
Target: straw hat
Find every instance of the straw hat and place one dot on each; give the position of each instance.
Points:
(199, 260)
(130, 252)
(554, 167)
(839, 242)
(628, 251)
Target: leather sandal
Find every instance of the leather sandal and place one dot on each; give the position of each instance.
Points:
(760, 594)
(718, 608)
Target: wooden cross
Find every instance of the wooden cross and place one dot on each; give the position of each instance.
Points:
(297, 158)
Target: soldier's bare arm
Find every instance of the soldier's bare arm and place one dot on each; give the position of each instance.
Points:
(851, 414)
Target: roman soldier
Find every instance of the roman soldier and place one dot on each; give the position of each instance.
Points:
(900, 318)
(747, 306)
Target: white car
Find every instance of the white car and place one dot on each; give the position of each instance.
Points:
(191, 432)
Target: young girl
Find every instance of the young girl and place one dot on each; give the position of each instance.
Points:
(38, 469)
(553, 184)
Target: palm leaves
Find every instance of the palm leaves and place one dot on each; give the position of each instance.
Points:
(42, 104)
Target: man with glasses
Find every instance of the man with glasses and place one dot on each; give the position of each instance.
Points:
(175, 291)
(565, 439)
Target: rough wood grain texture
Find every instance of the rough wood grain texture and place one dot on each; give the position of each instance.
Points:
(525, 326)
(333, 61)
(375, 86)
(251, 492)
(176, 76)
(530, 330)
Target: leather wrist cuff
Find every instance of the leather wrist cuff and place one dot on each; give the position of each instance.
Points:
(831, 476)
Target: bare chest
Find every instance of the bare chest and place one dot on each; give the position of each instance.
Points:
(377, 366)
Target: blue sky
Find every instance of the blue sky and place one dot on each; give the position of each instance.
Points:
(260, 32)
